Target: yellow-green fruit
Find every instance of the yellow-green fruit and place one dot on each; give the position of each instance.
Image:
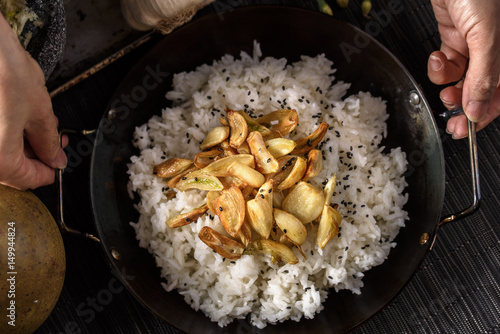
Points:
(32, 261)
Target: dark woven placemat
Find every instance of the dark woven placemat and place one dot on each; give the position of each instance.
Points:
(455, 290)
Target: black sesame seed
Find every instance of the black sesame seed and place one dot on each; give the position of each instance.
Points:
(283, 87)
(285, 271)
(284, 231)
(330, 277)
(187, 219)
(220, 208)
(209, 97)
(246, 105)
(300, 100)
(270, 190)
(262, 196)
(269, 160)
(227, 78)
(346, 248)
(262, 272)
(233, 262)
(249, 92)
(312, 252)
(184, 178)
(340, 257)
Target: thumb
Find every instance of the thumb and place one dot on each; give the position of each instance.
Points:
(482, 77)
(43, 138)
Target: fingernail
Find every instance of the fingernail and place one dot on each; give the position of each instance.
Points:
(476, 110)
(61, 161)
(448, 104)
(454, 136)
(435, 63)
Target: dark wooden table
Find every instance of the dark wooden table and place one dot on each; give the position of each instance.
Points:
(455, 290)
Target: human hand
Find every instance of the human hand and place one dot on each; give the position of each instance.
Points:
(470, 54)
(29, 142)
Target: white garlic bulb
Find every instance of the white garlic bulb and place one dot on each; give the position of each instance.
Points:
(163, 15)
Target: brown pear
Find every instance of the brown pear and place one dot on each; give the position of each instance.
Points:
(32, 261)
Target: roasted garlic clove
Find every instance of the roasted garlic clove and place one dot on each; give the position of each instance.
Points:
(314, 164)
(280, 122)
(172, 182)
(253, 125)
(245, 234)
(246, 174)
(199, 180)
(238, 127)
(328, 225)
(171, 167)
(279, 147)
(265, 162)
(187, 218)
(266, 191)
(203, 159)
(295, 173)
(244, 149)
(224, 246)
(211, 197)
(278, 198)
(229, 181)
(304, 201)
(308, 143)
(214, 137)
(227, 150)
(277, 250)
(260, 216)
(230, 208)
(291, 226)
(219, 167)
(329, 189)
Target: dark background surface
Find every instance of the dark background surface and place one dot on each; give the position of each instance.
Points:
(455, 290)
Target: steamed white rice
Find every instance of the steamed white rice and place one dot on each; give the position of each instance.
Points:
(369, 191)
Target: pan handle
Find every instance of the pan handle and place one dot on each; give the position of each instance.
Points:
(59, 184)
(475, 183)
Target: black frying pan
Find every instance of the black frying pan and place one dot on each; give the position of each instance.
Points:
(282, 32)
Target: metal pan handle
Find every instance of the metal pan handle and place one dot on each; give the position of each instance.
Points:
(59, 184)
(474, 164)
